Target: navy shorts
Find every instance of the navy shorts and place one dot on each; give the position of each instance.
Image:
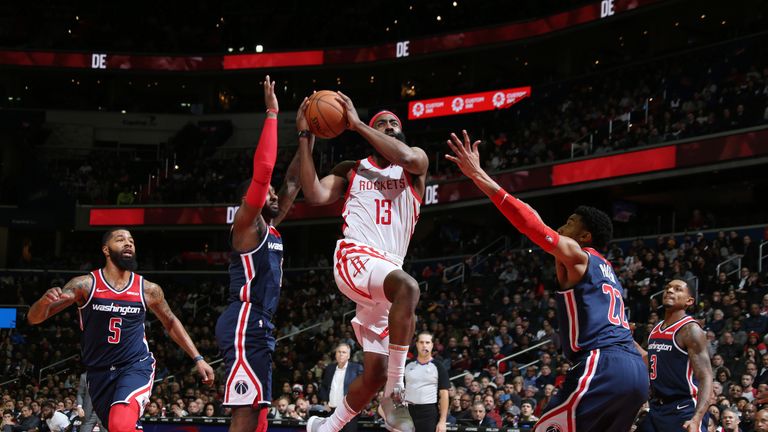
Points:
(246, 343)
(603, 392)
(671, 416)
(121, 384)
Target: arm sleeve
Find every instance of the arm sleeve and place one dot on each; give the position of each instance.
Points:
(443, 383)
(263, 163)
(526, 220)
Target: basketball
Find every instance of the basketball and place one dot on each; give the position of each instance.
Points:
(326, 117)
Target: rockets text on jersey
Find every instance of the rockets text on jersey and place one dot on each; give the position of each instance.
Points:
(381, 207)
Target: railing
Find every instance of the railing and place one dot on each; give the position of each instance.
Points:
(520, 368)
(458, 270)
(52, 365)
(579, 145)
(736, 259)
(198, 306)
(289, 335)
(8, 382)
(761, 256)
(530, 348)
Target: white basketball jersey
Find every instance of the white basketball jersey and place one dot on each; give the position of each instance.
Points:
(381, 207)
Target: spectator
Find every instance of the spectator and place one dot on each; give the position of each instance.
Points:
(55, 420)
(730, 420)
(479, 417)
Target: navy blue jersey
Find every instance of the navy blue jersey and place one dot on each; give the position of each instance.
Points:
(256, 276)
(591, 314)
(113, 323)
(671, 371)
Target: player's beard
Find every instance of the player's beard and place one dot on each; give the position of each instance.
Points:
(400, 136)
(122, 263)
(269, 213)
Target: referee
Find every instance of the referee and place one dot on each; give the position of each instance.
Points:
(426, 382)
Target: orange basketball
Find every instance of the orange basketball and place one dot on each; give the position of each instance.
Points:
(326, 117)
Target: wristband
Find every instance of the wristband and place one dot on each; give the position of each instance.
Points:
(305, 133)
(272, 110)
(198, 358)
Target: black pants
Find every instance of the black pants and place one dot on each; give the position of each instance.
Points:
(424, 417)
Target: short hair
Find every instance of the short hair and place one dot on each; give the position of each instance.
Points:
(693, 292)
(597, 223)
(340, 344)
(49, 404)
(426, 333)
(108, 235)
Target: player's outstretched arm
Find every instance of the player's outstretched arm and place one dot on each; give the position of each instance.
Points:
(292, 183)
(695, 342)
(412, 159)
(521, 215)
(320, 192)
(263, 164)
(155, 299)
(57, 299)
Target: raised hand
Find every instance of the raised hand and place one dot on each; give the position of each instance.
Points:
(270, 100)
(353, 119)
(301, 119)
(465, 155)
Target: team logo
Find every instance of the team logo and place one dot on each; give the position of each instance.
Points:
(498, 99)
(241, 387)
(457, 104)
(549, 239)
(418, 109)
(554, 428)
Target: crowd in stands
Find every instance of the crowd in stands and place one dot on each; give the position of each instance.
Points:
(503, 305)
(703, 92)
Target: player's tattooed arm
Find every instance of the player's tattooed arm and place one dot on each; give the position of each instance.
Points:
(56, 299)
(155, 300)
(694, 340)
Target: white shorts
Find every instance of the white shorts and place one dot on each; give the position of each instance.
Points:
(360, 271)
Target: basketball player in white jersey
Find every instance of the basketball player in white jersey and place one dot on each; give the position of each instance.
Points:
(383, 198)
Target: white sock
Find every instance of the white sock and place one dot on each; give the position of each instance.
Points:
(338, 419)
(398, 354)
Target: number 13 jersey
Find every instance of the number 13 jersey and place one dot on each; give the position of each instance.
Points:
(381, 207)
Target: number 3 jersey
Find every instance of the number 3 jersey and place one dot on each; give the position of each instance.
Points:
(381, 207)
(591, 314)
(671, 371)
(113, 323)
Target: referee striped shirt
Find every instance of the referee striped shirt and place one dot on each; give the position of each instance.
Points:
(423, 381)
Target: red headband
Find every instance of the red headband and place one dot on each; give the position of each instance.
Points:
(381, 113)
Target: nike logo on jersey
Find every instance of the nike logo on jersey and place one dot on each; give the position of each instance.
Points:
(100, 290)
(684, 406)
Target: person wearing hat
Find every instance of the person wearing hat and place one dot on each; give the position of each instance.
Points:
(337, 377)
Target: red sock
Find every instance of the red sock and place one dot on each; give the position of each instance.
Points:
(123, 417)
(262, 425)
